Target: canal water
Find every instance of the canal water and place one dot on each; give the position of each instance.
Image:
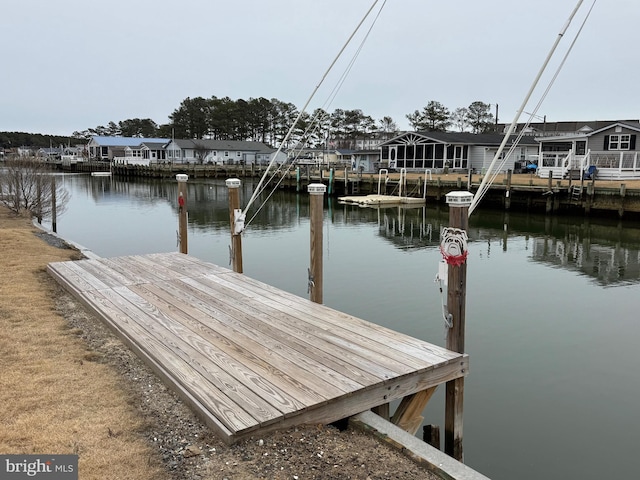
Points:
(553, 305)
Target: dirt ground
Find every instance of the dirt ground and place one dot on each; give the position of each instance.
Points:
(67, 385)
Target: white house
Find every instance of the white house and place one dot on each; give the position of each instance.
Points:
(220, 152)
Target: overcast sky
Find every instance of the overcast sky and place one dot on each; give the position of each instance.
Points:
(69, 65)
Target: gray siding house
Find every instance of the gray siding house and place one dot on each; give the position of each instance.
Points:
(611, 152)
(106, 148)
(460, 152)
(220, 152)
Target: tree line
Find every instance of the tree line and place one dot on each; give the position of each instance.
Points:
(268, 121)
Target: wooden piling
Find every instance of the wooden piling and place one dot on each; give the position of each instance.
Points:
(623, 193)
(431, 435)
(182, 211)
(331, 180)
(54, 210)
(507, 193)
(233, 184)
(316, 201)
(459, 203)
(346, 181)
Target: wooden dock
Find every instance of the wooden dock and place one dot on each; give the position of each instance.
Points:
(248, 357)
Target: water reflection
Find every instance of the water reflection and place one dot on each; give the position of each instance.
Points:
(608, 251)
(605, 250)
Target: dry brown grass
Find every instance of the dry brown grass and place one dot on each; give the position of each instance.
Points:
(54, 397)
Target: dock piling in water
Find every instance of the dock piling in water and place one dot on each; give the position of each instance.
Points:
(236, 237)
(454, 251)
(316, 200)
(182, 211)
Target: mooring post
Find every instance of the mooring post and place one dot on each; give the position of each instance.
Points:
(331, 180)
(454, 249)
(507, 193)
(182, 212)
(316, 201)
(346, 181)
(233, 184)
(54, 210)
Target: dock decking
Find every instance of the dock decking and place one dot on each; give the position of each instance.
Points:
(249, 357)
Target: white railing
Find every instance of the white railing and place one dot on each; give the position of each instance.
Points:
(627, 161)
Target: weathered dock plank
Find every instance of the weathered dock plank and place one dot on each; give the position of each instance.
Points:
(247, 356)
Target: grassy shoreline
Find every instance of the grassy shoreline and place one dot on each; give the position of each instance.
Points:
(52, 392)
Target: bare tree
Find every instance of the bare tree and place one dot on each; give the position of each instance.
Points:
(201, 151)
(26, 184)
(460, 118)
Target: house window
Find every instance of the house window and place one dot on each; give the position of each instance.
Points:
(226, 154)
(619, 142)
(238, 154)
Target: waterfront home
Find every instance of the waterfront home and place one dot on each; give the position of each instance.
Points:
(460, 152)
(330, 158)
(48, 154)
(558, 129)
(610, 152)
(110, 148)
(147, 153)
(366, 161)
(220, 152)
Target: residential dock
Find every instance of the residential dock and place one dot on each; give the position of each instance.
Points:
(517, 192)
(250, 358)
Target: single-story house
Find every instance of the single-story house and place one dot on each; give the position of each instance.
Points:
(49, 154)
(366, 161)
(110, 148)
(321, 157)
(309, 156)
(610, 152)
(418, 151)
(220, 152)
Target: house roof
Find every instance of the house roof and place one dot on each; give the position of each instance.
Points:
(344, 151)
(586, 134)
(559, 128)
(154, 145)
(466, 138)
(125, 141)
(617, 124)
(235, 145)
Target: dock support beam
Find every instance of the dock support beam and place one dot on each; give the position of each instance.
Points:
(182, 212)
(233, 184)
(316, 200)
(454, 249)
